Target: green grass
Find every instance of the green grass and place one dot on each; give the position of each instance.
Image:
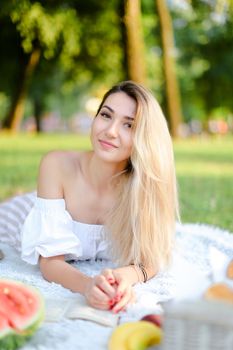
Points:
(204, 170)
(205, 177)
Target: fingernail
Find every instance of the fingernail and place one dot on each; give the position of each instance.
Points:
(111, 280)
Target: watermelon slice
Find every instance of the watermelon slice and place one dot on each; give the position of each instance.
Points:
(21, 312)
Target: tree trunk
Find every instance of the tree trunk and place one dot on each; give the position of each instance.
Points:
(38, 110)
(172, 87)
(13, 119)
(123, 43)
(134, 43)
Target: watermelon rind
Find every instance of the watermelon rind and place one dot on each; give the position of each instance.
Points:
(12, 341)
(11, 338)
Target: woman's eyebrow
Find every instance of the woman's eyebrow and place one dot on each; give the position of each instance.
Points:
(112, 110)
(129, 118)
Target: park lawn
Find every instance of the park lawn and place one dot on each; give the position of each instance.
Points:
(204, 169)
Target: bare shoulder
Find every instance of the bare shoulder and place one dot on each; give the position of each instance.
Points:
(55, 168)
(60, 160)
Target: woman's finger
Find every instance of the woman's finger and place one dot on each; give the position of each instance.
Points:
(122, 303)
(127, 298)
(105, 286)
(122, 285)
(100, 306)
(108, 274)
(96, 298)
(95, 301)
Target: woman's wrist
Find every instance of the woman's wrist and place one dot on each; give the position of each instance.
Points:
(129, 273)
(85, 284)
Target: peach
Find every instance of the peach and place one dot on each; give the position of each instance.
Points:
(154, 318)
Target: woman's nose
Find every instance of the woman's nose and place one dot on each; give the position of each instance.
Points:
(112, 130)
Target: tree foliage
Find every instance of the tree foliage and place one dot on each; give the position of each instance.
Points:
(204, 39)
(69, 35)
(82, 50)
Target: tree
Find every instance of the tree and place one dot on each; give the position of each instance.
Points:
(15, 114)
(133, 41)
(78, 41)
(216, 81)
(204, 36)
(174, 108)
(12, 62)
(46, 32)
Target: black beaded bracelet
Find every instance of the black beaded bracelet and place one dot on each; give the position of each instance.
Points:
(143, 270)
(145, 276)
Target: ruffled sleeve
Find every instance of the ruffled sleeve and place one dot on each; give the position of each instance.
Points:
(48, 231)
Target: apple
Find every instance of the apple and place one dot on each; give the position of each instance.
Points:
(154, 318)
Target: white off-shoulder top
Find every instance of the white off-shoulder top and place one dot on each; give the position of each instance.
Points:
(49, 230)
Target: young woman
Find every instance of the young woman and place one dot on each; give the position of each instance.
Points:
(118, 201)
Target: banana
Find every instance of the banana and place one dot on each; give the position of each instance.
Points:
(134, 336)
(147, 335)
(119, 335)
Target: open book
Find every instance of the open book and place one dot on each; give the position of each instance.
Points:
(76, 308)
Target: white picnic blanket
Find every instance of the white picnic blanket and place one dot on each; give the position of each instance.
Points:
(199, 260)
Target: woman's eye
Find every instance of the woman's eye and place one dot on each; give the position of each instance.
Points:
(128, 125)
(105, 115)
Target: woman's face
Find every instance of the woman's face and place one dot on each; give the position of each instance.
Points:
(111, 133)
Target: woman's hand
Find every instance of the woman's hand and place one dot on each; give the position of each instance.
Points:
(109, 290)
(124, 293)
(100, 292)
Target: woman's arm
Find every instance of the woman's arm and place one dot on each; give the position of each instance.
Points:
(53, 172)
(56, 269)
(133, 274)
(97, 290)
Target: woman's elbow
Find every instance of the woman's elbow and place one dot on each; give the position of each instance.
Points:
(44, 268)
(49, 267)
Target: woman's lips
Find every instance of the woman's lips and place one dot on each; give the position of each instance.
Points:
(107, 144)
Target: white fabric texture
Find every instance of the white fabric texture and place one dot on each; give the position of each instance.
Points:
(37, 226)
(199, 259)
(195, 242)
(49, 230)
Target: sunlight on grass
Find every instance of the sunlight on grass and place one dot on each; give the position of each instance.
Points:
(204, 169)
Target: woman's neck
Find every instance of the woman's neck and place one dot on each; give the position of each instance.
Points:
(101, 173)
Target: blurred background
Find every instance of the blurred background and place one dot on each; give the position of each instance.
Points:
(59, 57)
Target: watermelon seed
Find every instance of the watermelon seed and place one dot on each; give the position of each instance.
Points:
(6, 291)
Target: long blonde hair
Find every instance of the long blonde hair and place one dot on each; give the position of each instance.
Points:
(141, 224)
